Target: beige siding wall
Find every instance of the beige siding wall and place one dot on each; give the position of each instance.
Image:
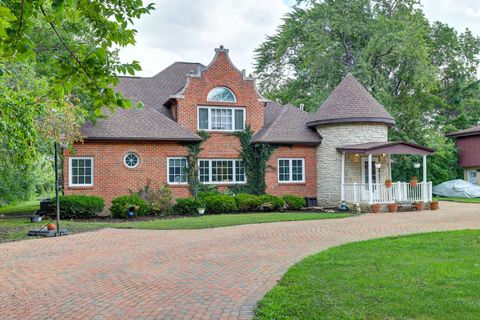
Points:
(329, 159)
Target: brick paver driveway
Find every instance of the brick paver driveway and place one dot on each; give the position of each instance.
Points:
(190, 274)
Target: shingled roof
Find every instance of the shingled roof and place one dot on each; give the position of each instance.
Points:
(464, 133)
(286, 125)
(154, 121)
(137, 124)
(350, 102)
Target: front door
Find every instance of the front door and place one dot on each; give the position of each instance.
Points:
(375, 171)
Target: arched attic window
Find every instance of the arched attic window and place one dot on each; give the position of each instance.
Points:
(221, 94)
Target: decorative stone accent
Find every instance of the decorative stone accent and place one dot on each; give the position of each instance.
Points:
(329, 159)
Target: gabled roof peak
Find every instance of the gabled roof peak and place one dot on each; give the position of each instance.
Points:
(350, 102)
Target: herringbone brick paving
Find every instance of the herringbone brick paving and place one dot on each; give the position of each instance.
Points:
(216, 273)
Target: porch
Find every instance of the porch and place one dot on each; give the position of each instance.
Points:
(373, 162)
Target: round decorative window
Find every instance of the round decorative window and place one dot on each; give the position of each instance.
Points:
(131, 160)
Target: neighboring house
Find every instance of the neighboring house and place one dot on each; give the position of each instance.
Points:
(339, 153)
(468, 143)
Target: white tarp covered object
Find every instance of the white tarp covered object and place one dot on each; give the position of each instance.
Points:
(457, 188)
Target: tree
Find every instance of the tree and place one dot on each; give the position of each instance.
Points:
(423, 73)
(58, 68)
(70, 44)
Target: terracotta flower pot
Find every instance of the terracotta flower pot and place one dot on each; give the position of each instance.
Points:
(419, 206)
(388, 183)
(414, 183)
(434, 205)
(392, 207)
(375, 208)
(51, 226)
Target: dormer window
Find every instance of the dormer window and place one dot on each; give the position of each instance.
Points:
(221, 94)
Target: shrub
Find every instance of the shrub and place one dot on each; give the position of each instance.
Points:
(247, 202)
(121, 205)
(294, 202)
(188, 206)
(220, 203)
(271, 203)
(79, 206)
(158, 200)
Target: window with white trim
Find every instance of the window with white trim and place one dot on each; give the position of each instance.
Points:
(291, 170)
(218, 171)
(177, 170)
(80, 172)
(221, 119)
(221, 94)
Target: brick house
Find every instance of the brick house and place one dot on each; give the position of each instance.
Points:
(339, 153)
(468, 143)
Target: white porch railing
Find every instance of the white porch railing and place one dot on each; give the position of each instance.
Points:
(398, 192)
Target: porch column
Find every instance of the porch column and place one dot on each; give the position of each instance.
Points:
(370, 186)
(424, 186)
(342, 178)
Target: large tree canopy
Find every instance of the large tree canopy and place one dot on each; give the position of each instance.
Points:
(55, 54)
(424, 73)
(58, 68)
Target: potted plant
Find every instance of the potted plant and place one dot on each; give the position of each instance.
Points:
(375, 208)
(414, 182)
(434, 205)
(200, 207)
(392, 207)
(388, 183)
(419, 206)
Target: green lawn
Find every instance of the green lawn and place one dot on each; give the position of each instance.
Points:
(466, 200)
(16, 229)
(22, 208)
(428, 276)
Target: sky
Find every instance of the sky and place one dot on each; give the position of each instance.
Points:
(189, 30)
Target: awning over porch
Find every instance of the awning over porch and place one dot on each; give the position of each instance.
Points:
(378, 192)
(390, 147)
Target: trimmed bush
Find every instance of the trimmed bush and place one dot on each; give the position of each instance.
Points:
(188, 206)
(247, 202)
(121, 205)
(271, 203)
(79, 206)
(220, 203)
(294, 202)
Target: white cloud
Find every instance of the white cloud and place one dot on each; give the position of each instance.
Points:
(460, 14)
(187, 30)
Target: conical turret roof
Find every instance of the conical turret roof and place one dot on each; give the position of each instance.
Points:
(350, 102)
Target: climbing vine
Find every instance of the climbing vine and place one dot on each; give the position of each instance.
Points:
(194, 149)
(255, 157)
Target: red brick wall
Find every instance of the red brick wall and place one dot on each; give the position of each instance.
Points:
(220, 73)
(112, 178)
(305, 189)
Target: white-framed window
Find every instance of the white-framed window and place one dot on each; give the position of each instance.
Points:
(80, 171)
(472, 176)
(131, 160)
(221, 171)
(221, 94)
(291, 170)
(177, 170)
(221, 119)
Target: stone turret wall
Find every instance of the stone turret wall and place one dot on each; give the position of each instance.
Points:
(329, 159)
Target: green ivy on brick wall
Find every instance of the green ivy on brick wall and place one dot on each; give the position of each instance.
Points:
(194, 149)
(255, 157)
